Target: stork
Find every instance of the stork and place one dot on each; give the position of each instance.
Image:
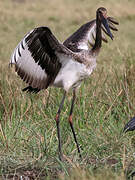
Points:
(42, 61)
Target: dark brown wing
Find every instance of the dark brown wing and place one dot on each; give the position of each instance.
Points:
(79, 39)
(86, 35)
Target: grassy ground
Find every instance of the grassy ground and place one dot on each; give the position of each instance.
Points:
(28, 138)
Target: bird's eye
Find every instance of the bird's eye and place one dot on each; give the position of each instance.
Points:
(100, 11)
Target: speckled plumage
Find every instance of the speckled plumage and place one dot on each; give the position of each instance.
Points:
(41, 60)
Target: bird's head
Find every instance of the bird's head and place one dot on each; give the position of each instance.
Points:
(102, 16)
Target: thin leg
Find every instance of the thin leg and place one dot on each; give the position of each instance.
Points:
(57, 124)
(71, 122)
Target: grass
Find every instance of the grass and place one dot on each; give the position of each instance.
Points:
(105, 102)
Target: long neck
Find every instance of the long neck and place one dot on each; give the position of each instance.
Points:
(98, 41)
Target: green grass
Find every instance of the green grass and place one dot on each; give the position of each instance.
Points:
(105, 102)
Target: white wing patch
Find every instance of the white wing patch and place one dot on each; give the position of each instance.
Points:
(83, 45)
(26, 66)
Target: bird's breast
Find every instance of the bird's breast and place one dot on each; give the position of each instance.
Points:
(72, 73)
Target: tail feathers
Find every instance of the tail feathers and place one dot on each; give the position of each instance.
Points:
(30, 89)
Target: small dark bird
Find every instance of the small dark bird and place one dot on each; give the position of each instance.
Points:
(130, 126)
(42, 61)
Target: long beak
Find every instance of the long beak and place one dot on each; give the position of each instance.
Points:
(106, 25)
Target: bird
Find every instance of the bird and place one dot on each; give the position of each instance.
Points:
(41, 60)
(130, 126)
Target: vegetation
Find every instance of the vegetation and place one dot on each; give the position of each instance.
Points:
(105, 103)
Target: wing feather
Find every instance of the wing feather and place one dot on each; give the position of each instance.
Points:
(36, 58)
(86, 35)
(39, 56)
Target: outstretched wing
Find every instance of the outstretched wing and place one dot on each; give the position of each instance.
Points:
(85, 36)
(36, 58)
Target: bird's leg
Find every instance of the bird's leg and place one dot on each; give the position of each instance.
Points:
(71, 122)
(57, 123)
